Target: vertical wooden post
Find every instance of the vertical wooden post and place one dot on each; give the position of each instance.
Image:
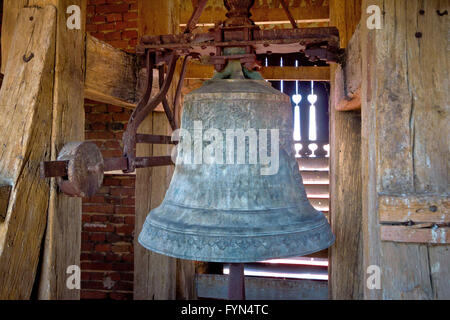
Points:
(157, 276)
(345, 256)
(405, 142)
(63, 234)
(25, 109)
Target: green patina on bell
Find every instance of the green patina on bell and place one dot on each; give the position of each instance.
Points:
(234, 212)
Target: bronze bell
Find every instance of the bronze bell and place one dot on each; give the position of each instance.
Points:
(227, 209)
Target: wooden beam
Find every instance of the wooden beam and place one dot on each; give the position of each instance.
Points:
(63, 233)
(406, 234)
(304, 14)
(26, 98)
(346, 277)
(215, 286)
(111, 74)
(157, 276)
(199, 71)
(202, 71)
(11, 9)
(348, 76)
(405, 141)
(414, 208)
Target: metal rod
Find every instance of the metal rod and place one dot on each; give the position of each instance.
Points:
(53, 169)
(191, 25)
(155, 139)
(236, 282)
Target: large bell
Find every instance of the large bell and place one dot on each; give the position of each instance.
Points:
(234, 212)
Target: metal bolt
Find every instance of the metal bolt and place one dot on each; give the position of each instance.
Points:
(418, 34)
(422, 12)
(433, 208)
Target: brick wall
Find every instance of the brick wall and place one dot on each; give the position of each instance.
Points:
(108, 217)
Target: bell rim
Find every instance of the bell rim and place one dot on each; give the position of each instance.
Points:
(283, 245)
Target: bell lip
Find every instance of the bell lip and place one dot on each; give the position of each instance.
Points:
(269, 254)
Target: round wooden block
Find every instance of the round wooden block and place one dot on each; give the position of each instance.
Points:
(85, 169)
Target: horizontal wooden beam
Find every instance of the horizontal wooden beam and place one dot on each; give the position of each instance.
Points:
(414, 208)
(307, 14)
(199, 71)
(432, 235)
(111, 74)
(214, 286)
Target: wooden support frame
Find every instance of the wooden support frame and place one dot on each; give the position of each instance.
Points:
(157, 276)
(26, 100)
(346, 275)
(405, 148)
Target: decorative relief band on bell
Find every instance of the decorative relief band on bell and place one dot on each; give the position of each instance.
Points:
(234, 249)
(237, 96)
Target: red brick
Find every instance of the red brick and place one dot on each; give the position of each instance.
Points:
(122, 191)
(100, 218)
(112, 257)
(116, 35)
(130, 16)
(104, 208)
(98, 227)
(129, 220)
(94, 199)
(124, 210)
(130, 182)
(128, 201)
(111, 181)
(130, 34)
(97, 237)
(92, 285)
(84, 236)
(125, 266)
(112, 238)
(128, 257)
(111, 17)
(99, 135)
(110, 8)
(120, 248)
(104, 247)
(121, 296)
(91, 28)
(92, 295)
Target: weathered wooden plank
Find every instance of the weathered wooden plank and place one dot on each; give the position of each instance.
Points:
(415, 235)
(63, 233)
(199, 71)
(345, 261)
(424, 208)
(111, 74)
(213, 286)
(11, 9)
(158, 276)
(406, 144)
(26, 102)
